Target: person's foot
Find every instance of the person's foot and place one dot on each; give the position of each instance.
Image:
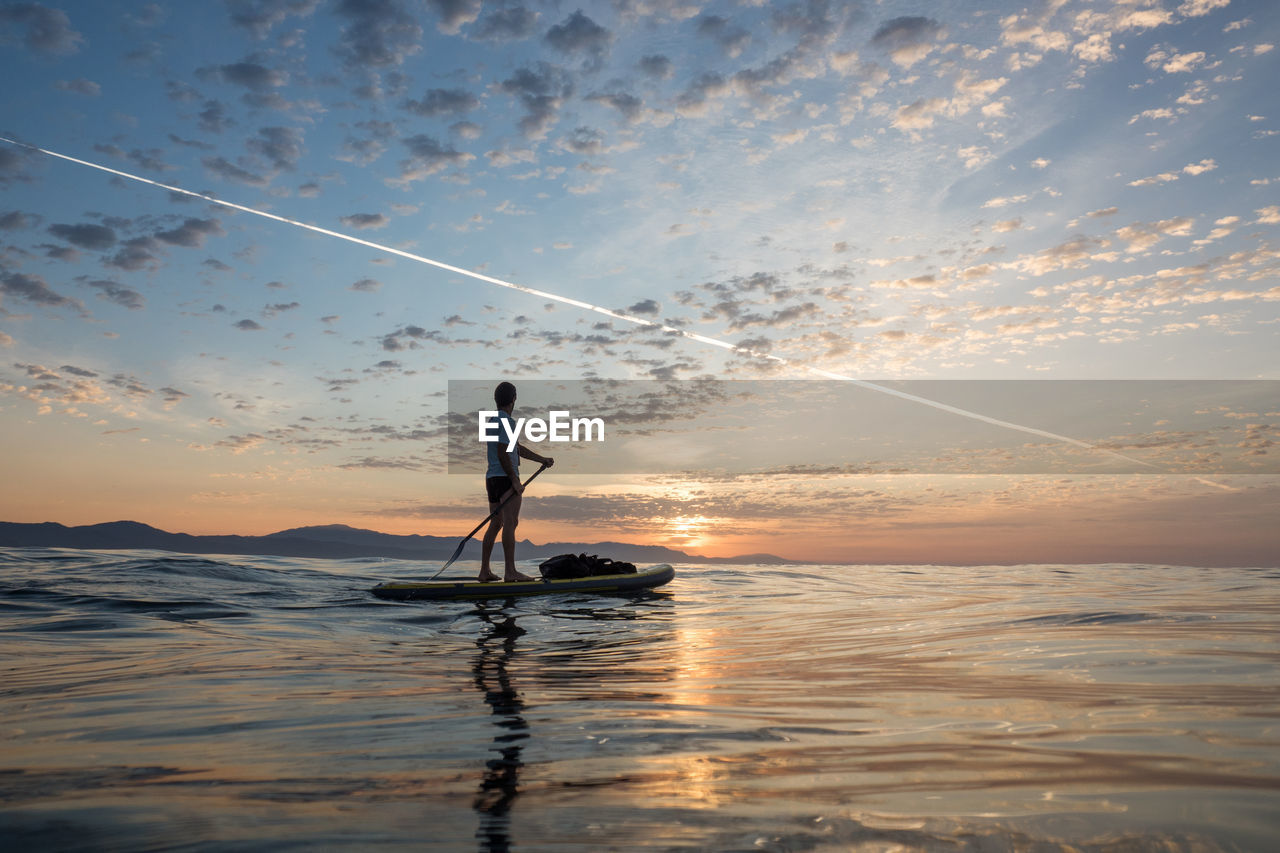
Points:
(516, 577)
(487, 576)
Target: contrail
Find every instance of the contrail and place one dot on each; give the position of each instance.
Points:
(586, 306)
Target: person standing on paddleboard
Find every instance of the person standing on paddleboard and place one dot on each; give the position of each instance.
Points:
(502, 478)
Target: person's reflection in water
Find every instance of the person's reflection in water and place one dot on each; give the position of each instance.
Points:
(500, 786)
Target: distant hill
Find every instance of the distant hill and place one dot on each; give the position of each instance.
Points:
(336, 541)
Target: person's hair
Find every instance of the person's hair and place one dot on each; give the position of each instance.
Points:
(504, 395)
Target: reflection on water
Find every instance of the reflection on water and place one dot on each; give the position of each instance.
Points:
(501, 783)
(153, 701)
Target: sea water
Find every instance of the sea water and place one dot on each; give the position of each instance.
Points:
(162, 701)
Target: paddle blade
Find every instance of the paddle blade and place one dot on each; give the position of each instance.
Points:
(457, 553)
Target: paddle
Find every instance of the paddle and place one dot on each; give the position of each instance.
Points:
(511, 494)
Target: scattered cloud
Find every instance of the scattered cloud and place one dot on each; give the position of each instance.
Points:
(908, 39)
(729, 36)
(506, 24)
(192, 233)
(40, 29)
(79, 86)
(85, 235)
(448, 102)
(363, 221)
(578, 35)
(259, 17)
(542, 89)
(378, 34)
(34, 290)
(249, 75)
(118, 294)
(427, 157)
(454, 14)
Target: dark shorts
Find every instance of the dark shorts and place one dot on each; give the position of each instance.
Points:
(497, 487)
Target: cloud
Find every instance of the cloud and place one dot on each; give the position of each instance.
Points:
(367, 285)
(111, 291)
(970, 91)
(1268, 216)
(13, 166)
(427, 156)
(270, 311)
(85, 235)
(1096, 48)
(511, 23)
(1121, 17)
(1017, 30)
(409, 336)
(281, 146)
(454, 14)
(1074, 253)
(136, 254)
(578, 35)
(192, 233)
(33, 289)
(15, 220)
(631, 107)
(1005, 201)
(693, 100)
(248, 326)
(231, 172)
(250, 75)
(149, 160)
(656, 66)
(1183, 62)
(362, 221)
(510, 157)
(260, 16)
(1199, 8)
(1141, 235)
(584, 140)
(542, 90)
(731, 38)
(1200, 168)
(645, 306)
(815, 22)
(43, 30)
(907, 39)
(214, 118)
(1206, 165)
(919, 114)
(443, 102)
(238, 444)
(1162, 178)
(79, 86)
(379, 33)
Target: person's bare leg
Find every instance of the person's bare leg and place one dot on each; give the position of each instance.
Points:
(511, 518)
(486, 547)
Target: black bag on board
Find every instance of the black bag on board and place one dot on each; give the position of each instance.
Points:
(581, 566)
(564, 566)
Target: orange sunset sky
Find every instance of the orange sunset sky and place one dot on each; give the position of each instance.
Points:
(735, 191)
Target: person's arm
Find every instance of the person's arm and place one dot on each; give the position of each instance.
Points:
(526, 453)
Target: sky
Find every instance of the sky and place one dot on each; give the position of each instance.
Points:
(687, 192)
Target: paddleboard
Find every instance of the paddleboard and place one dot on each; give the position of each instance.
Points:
(473, 590)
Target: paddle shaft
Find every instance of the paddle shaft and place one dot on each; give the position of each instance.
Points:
(511, 494)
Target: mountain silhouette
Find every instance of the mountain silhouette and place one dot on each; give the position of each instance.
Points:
(336, 541)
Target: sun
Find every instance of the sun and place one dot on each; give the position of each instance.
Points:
(687, 529)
